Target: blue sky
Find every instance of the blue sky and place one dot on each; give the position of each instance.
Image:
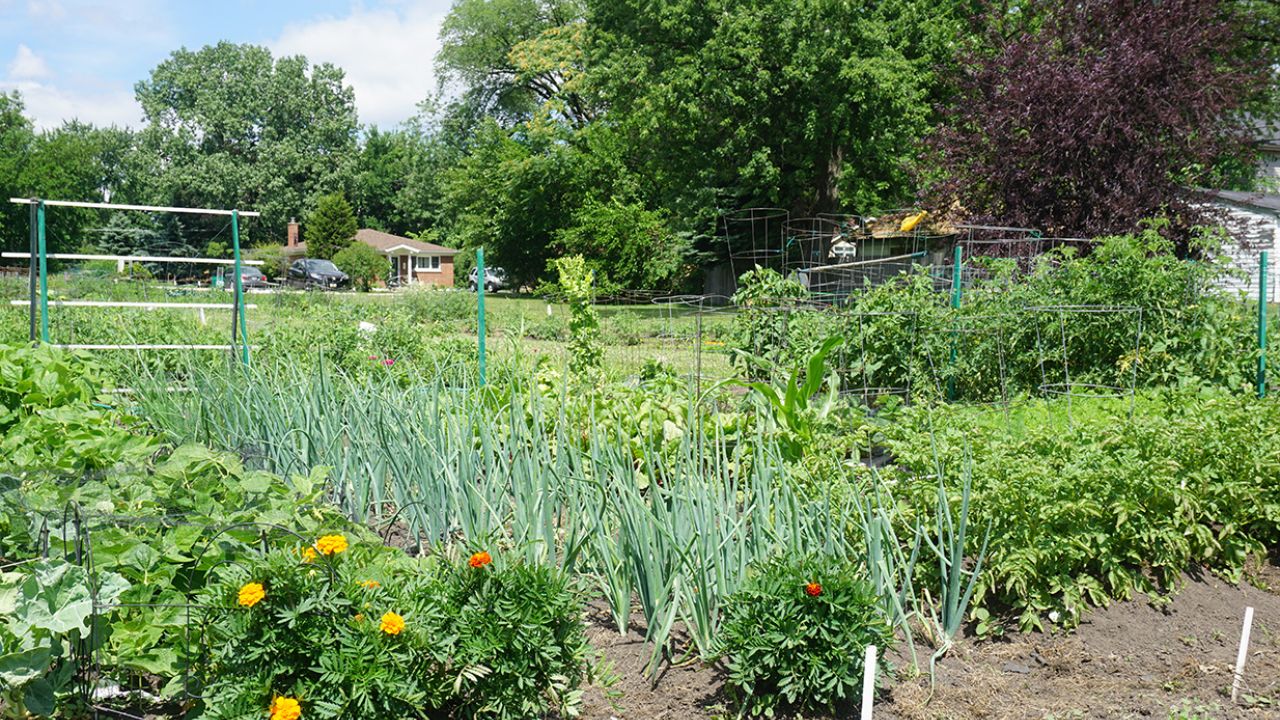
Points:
(81, 58)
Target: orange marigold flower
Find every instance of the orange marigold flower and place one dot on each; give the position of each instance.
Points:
(285, 708)
(370, 584)
(251, 594)
(308, 554)
(813, 589)
(480, 559)
(392, 624)
(359, 617)
(332, 544)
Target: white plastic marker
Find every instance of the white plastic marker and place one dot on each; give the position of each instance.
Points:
(1243, 654)
(869, 682)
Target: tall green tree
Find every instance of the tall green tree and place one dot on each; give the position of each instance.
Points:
(809, 105)
(330, 228)
(514, 56)
(16, 138)
(397, 181)
(230, 126)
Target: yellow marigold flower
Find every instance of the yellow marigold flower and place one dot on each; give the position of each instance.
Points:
(308, 554)
(251, 594)
(392, 624)
(480, 559)
(331, 544)
(370, 584)
(285, 708)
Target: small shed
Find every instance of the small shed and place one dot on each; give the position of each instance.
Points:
(1254, 226)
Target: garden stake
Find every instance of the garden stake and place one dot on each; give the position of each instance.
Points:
(956, 289)
(44, 274)
(868, 682)
(480, 280)
(1262, 325)
(1242, 654)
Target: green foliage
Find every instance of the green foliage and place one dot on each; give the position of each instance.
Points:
(761, 328)
(45, 612)
(274, 263)
(234, 127)
(501, 641)
(365, 265)
(1087, 504)
(787, 649)
(49, 419)
(523, 624)
(796, 411)
(331, 227)
(577, 284)
(630, 247)
(1127, 313)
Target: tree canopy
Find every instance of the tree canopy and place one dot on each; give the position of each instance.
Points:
(1072, 125)
(234, 127)
(622, 130)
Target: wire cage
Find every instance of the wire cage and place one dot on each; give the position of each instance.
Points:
(755, 237)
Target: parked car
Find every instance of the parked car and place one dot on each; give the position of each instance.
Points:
(250, 277)
(495, 278)
(317, 274)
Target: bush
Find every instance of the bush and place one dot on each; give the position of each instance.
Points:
(795, 635)
(429, 304)
(364, 264)
(273, 260)
(366, 632)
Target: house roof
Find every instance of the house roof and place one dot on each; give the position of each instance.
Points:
(386, 242)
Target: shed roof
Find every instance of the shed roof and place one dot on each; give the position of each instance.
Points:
(1257, 200)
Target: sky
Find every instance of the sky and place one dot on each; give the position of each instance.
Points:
(79, 59)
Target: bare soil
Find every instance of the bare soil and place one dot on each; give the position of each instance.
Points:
(1144, 658)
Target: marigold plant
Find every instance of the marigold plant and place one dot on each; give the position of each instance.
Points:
(251, 594)
(480, 559)
(794, 636)
(392, 623)
(285, 708)
(332, 544)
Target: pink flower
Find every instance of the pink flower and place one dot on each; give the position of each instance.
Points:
(373, 357)
(389, 362)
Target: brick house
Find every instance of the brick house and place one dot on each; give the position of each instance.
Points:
(411, 262)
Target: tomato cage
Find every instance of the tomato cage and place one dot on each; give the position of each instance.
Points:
(39, 302)
(754, 237)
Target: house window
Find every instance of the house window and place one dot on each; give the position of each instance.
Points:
(427, 264)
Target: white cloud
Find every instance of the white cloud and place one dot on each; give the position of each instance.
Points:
(49, 105)
(388, 55)
(27, 65)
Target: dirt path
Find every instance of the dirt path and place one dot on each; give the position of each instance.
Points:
(1134, 659)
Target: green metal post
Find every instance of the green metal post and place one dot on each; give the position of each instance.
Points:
(1262, 326)
(44, 274)
(480, 283)
(957, 288)
(244, 325)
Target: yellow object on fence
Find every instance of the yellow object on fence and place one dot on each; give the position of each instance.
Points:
(909, 223)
